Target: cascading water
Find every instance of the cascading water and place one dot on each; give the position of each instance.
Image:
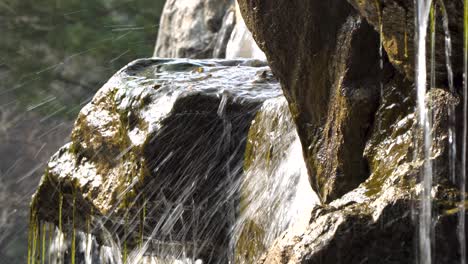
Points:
(131, 189)
(275, 191)
(241, 43)
(423, 8)
(451, 109)
(462, 216)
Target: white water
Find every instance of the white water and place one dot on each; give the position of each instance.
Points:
(241, 44)
(451, 109)
(276, 194)
(425, 217)
(461, 222)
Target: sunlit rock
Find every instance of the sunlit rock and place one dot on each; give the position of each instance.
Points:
(205, 29)
(275, 193)
(397, 21)
(326, 58)
(190, 29)
(241, 43)
(356, 118)
(155, 157)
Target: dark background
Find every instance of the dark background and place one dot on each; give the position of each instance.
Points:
(54, 55)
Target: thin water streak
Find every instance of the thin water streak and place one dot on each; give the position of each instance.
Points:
(425, 217)
(462, 216)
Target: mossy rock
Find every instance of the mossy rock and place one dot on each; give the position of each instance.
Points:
(161, 135)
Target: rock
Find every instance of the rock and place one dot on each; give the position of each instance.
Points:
(162, 141)
(205, 29)
(378, 221)
(397, 21)
(193, 29)
(241, 43)
(275, 193)
(358, 127)
(224, 34)
(379, 231)
(329, 70)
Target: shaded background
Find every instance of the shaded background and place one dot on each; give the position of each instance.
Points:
(54, 55)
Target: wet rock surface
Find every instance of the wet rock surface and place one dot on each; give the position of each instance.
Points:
(194, 29)
(275, 193)
(205, 29)
(378, 221)
(162, 141)
(329, 71)
(397, 21)
(355, 114)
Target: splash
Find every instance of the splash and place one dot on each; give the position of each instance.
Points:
(275, 192)
(161, 176)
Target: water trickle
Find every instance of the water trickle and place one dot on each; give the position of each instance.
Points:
(241, 44)
(462, 216)
(423, 8)
(451, 109)
(381, 59)
(181, 197)
(275, 192)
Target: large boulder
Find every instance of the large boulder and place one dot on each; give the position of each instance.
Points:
(378, 222)
(329, 70)
(154, 156)
(192, 29)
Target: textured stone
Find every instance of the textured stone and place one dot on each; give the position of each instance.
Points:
(164, 137)
(398, 31)
(327, 61)
(189, 29)
(358, 126)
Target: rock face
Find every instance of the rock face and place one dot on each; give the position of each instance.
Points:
(154, 155)
(192, 29)
(396, 19)
(241, 43)
(275, 192)
(333, 107)
(205, 29)
(378, 221)
(356, 120)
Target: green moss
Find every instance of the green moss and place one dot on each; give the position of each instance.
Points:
(250, 243)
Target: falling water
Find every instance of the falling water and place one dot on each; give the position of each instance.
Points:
(425, 219)
(451, 109)
(381, 58)
(275, 192)
(461, 218)
(241, 44)
(205, 193)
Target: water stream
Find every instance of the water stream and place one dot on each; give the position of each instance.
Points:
(462, 214)
(237, 172)
(423, 8)
(186, 218)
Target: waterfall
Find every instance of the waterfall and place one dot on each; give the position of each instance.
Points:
(210, 158)
(425, 219)
(241, 44)
(275, 191)
(461, 218)
(452, 139)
